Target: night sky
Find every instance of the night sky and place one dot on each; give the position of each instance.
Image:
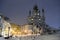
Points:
(18, 10)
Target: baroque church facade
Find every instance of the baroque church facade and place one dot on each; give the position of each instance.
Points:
(35, 17)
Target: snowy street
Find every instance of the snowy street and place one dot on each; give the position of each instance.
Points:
(40, 37)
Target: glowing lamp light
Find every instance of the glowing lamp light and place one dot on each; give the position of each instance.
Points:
(31, 19)
(25, 31)
(38, 14)
(39, 19)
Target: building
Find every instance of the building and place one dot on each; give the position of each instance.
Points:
(5, 26)
(35, 17)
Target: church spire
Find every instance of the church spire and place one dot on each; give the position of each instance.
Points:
(29, 13)
(43, 16)
(35, 8)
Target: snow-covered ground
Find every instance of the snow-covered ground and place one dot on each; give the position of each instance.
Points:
(39, 37)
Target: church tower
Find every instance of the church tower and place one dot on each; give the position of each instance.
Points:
(34, 17)
(43, 18)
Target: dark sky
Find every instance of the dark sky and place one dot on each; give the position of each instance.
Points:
(18, 10)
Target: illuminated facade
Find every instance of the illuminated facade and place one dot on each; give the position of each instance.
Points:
(5, 27)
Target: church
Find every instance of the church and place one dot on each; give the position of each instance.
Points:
(35, 17)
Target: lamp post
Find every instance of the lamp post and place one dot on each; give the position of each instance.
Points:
(8, 31)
